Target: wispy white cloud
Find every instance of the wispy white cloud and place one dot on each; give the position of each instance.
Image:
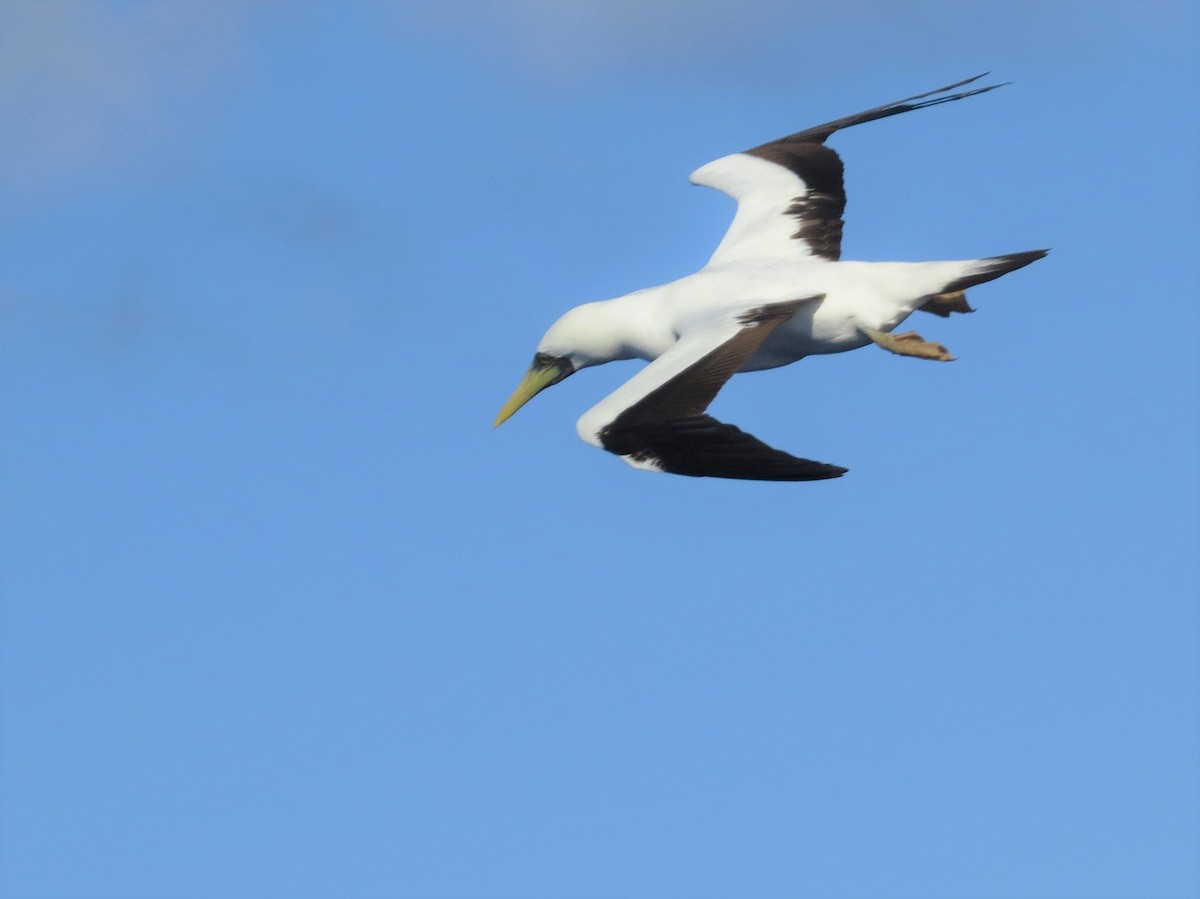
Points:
(572, 37)
(583, 35)
(79, 80)
(83, 80)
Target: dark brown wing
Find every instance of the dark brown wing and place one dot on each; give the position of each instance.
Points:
(667, 430)
(702, 447)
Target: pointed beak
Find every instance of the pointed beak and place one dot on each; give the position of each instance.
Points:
(544, 372)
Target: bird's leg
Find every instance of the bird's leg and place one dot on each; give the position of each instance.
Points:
(944, 303)
(910, 343)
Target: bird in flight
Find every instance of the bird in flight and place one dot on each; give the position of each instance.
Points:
(773, 292)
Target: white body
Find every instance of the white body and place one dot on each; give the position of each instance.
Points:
(857, 296)
(781, 251)
(649, 324)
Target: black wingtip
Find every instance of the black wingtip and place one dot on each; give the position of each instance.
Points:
(820, 133)
(965, 81)
(702, 447)
(821, 471)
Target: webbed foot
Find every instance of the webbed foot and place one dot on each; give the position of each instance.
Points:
(910, 343)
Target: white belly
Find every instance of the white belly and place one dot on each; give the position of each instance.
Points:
(857, 295)
(832, 325)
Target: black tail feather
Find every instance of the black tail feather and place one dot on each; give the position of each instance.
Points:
(993, 268)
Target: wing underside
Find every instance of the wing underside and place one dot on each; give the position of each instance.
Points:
(702, 447)
(656, 420)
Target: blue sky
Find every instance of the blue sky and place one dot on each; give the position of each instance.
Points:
(284, 617)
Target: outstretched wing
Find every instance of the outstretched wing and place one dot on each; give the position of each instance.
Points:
(789, 191)
(656, 419)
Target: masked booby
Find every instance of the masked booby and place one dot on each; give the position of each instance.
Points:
(773, 292)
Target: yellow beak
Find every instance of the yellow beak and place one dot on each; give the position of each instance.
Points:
(540, 376)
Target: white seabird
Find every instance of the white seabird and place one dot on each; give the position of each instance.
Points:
(773, 292)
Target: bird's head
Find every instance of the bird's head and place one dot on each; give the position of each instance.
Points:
(584, 336)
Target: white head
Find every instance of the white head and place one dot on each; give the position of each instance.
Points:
(591, 334)
(586, 335)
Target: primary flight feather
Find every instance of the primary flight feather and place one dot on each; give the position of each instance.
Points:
(774, 291)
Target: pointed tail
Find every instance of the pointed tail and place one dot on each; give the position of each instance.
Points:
(991, 268)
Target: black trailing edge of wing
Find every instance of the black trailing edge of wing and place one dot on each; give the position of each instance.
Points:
(819, 210)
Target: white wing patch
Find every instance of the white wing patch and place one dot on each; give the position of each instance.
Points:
(764, 193)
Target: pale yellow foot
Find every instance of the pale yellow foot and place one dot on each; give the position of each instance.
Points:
(910, 343)
(945, 303)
